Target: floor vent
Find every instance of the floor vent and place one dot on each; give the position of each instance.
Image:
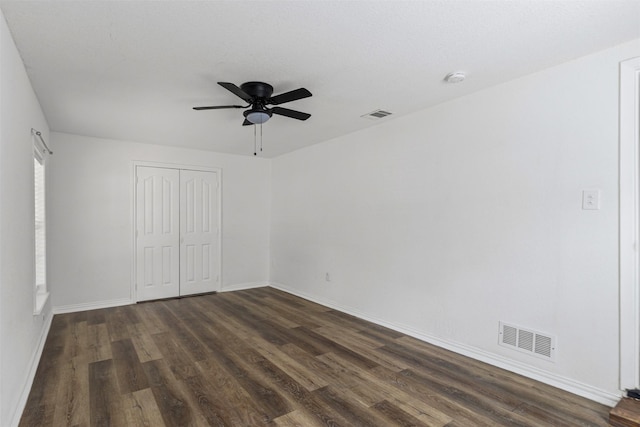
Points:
(377, 114)
(528, 341)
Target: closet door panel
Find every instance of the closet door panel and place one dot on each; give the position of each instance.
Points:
(199, 232)
(157, 233)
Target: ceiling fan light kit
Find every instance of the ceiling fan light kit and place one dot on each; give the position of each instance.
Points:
(257, 117)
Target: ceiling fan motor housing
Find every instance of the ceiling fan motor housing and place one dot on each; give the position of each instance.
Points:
(260, 92)
(257, 89)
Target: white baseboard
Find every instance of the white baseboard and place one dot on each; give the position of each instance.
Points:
(72, 308)
(33, 367)
(567, 384)
(243, 286)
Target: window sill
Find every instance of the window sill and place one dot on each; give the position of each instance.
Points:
(41, 300)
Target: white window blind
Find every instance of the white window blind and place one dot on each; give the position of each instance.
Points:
(40, 232)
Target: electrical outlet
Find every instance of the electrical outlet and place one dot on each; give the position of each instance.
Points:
(591, 200)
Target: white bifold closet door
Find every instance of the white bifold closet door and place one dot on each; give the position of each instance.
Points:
(198, 232)
(177, 243)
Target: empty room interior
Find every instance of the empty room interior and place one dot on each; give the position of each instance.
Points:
(319, 212)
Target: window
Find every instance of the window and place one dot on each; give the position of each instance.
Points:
(40, 290)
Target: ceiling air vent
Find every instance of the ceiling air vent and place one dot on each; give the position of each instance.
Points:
(377, 114)
(527, 341)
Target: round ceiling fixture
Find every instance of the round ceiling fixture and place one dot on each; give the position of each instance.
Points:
(257, 116)
(455, 77)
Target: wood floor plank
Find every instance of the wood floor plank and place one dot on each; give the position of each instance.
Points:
(175, 400)
(216, 336)
(261, 310)
(180, 362)
(313, 363)
(40, 406)
(141, 409)
(540, 415)
(264, 357)
(360, 324)
(266, 395)
(180, 332)
(117, 322)
(266, 328)
(417, 408)
(362, 345)
(369, 396)
(441, 402)
(98, 343)
(293, 301)
(144, 345)
(96, 317)
(213, 408)
(501, 411)
(150, 319)
(396, 416)
(339, 370)
(279, 309)
(347, 337)
(352, 411)
(72, 398)
(305, 377)
(577, 410)
(170, 400)
(300, 316)
(239, 408)
(335, 347)
(78, 339)
(214, 318)
(235, 363)
(130, 314)
(443, 373)
(131, 376)
(299, 396)
(298, 418)
(105, 404)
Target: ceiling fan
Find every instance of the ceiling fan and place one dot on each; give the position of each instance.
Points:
(258, 96)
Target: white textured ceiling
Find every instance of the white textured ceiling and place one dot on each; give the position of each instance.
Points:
(132, 70)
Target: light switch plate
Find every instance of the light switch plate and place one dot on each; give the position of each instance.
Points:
(591, 200)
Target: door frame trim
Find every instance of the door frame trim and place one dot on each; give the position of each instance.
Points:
(629, 225)
(143, 163)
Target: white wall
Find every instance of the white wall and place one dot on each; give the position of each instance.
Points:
(20, 331)
(447, 221)
(91, 237)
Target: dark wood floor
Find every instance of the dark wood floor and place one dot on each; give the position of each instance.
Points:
(261, 356)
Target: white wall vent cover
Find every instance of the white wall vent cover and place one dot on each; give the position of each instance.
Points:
(377, 114)
(535, 343)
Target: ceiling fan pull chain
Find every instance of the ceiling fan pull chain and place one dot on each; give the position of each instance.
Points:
(255, 144)
(260, 137)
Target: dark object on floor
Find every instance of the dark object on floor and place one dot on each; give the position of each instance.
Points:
(626, 413)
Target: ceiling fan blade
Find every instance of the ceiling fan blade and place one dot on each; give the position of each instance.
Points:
(246, 123)
(289, 96)
(290, 113)
(236, 91)
(219, 107)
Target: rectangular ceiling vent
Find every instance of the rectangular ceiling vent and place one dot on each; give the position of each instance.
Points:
(377, 114)
(525, 340)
